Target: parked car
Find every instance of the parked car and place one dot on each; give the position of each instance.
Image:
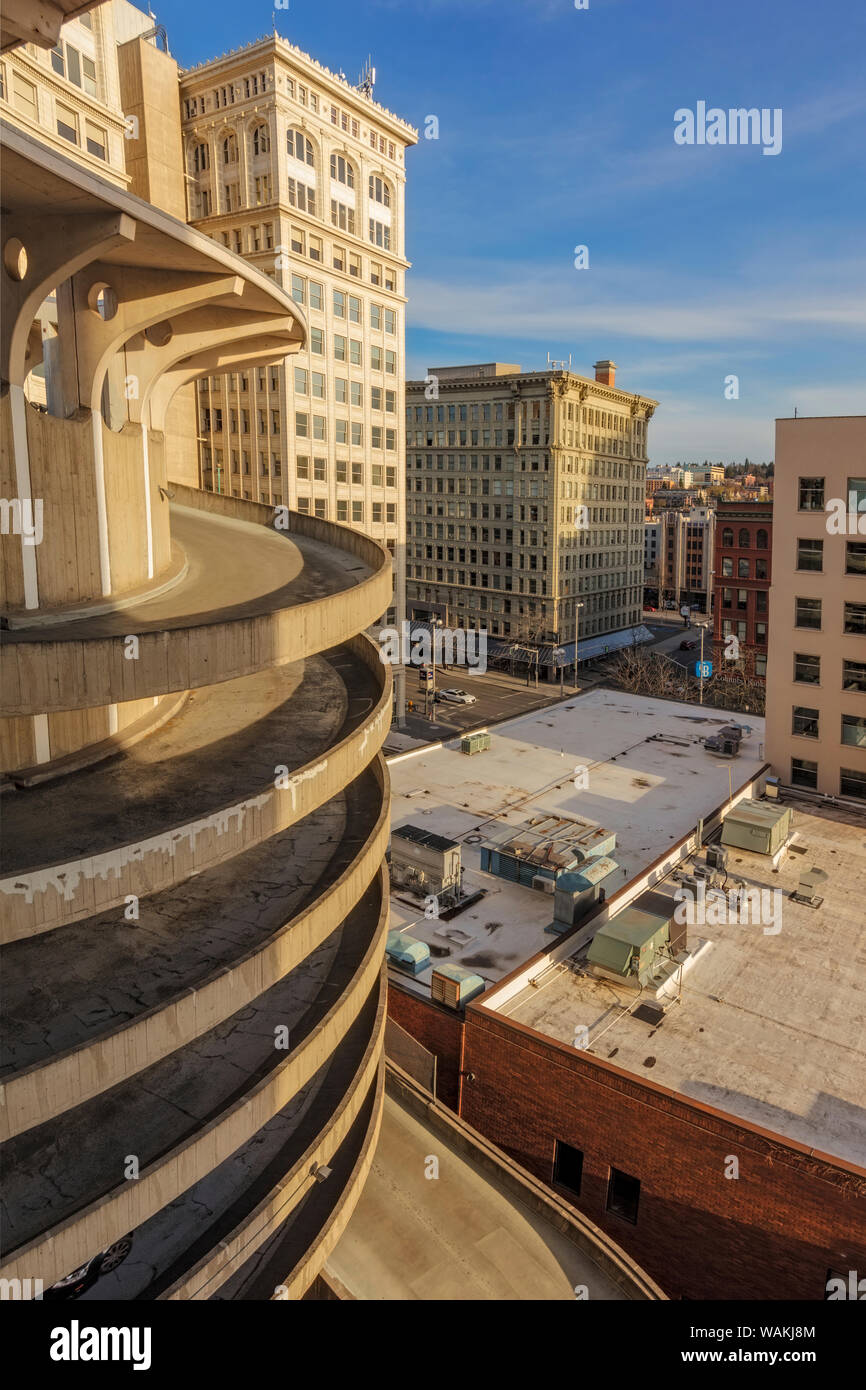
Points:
(687, 646)
(457, 697)
(82, 1279)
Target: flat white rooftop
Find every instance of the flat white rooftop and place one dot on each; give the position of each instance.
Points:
(648, 778)
(770, 1027)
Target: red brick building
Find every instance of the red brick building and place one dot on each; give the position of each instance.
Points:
(650, 1167)
(741, 586)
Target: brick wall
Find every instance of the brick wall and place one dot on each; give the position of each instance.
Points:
(771, 1233)
(441, 1032)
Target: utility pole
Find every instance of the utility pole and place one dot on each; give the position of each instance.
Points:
(703, 630)
(577, 608)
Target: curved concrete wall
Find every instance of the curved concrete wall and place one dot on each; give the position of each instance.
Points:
(235, 1249)
(57, 894)
(73, 1077)
(66, 1246)
(42, 676)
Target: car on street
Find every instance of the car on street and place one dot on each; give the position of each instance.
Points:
(83, 1278)
(457, 697)
(687, 646)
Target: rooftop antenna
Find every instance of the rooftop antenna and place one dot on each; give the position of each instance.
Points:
(367, 80)
(795, 412)
(556, 366)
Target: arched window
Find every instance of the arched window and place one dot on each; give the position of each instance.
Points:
(379, 191)
(762, 539)
(261, 140)
(300, 147)
(342, 171)
(745, 538)
(230, 149)
(727, 536)
(200, 158)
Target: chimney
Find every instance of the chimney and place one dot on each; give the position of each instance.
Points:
(605, 373)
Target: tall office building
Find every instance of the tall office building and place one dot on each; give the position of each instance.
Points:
(291, 166)
(679, 556)
(816, 661)
(526, 498)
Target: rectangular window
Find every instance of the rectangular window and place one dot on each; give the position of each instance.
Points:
(339, 304)
(57, 60)
(804, 773)
(810, 555)
(303, 466)
(855, 618)
(319, 427)
(67, 123)
(856, 503)
(811, 495)
(852, 783)
(567, 1167)
(804, 722)
(342, 509)
(807, 612)
(354, 309)
(317, 341)
(342, 428)
(355, 352)
(302, 424)
(88, 75)
(390, 321)
(623, 1195)
(73, 65)
(376, 316)
(854, 675)
(320, 470)
(855, 557)
(316, 295)
(298, 290)
(317, 387)
(357, 434)
(854, 730)
(96, 140)
(390, 361)
(807, 669)
(376, 359)
(339, 348)
(300, 381)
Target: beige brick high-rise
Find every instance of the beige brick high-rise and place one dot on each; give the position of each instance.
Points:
(294, 168)
(500, 462)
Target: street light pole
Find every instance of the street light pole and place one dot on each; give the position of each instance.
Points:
(577, 608)
(703, 630)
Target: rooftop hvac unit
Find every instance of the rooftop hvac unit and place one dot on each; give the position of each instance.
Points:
(810, 881)
(771, 789)
(542, 884)
(454, 985)
(407, 953)
(717, 858)
(475, 743)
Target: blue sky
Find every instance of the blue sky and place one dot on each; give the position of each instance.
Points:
(556, 130)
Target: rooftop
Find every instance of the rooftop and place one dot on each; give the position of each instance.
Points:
(770, 1023)
(335, 79)
(648, 778)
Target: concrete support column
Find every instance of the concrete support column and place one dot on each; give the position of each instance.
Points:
(21, 450)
